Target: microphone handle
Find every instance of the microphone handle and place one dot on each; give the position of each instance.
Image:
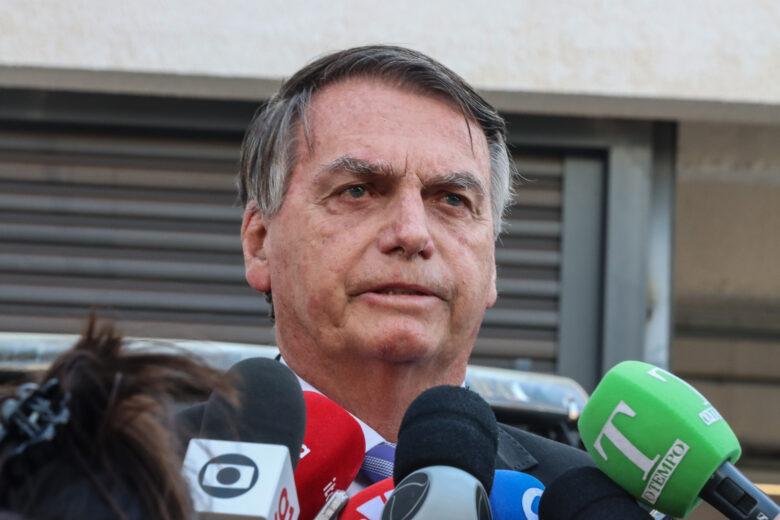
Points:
(333, 506)
(731, 493)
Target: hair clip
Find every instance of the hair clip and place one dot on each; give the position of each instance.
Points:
(33, 415)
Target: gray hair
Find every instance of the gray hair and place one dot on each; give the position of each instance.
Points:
(270, 146)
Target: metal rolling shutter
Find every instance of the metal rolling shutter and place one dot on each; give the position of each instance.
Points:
(142, 227)
(524, 321)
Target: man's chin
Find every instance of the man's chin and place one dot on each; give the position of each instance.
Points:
(401, 339)
(404, 348)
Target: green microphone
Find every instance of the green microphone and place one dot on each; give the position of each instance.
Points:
(663, 442)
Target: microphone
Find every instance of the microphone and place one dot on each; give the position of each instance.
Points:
(515, 496)
(332, 451)
(664, 443)
(242, 464)
(445, 458)
(369, 503)
(585, 493)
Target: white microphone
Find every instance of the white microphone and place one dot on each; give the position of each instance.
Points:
(241, 480)
(241, 466)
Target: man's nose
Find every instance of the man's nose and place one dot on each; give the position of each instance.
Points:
(406, 230)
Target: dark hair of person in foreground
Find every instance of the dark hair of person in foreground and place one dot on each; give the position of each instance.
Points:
(113, 452)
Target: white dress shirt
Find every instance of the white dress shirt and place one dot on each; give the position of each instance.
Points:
(370, 435)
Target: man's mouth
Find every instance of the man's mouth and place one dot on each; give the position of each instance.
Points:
(394, 291)
(402, 289)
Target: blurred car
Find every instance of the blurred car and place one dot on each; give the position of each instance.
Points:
(542, 403)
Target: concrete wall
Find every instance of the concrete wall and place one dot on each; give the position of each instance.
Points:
(727, 282)
(593, 57)
(727, 269)
(729, 202)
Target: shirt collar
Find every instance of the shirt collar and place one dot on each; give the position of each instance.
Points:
(370, 435)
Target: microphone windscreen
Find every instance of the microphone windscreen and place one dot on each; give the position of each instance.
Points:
(270, 410)
(369, 503)
(331, 455)
(515, 496)
(656, 436)
(585, 493)
(186, 425)
(448, 426)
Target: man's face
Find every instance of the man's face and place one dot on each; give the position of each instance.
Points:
(383, 248)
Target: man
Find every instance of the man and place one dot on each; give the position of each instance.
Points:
(374, 184)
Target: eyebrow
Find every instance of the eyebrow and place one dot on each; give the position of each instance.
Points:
(359, 166)
(464, 180)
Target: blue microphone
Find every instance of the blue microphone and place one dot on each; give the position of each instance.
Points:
(515, 496)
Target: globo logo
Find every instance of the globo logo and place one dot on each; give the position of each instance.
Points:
(229, 475)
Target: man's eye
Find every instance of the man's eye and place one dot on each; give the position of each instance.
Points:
(356, 191)
(453, 200)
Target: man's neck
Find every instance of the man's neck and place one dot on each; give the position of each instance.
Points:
(377, 392)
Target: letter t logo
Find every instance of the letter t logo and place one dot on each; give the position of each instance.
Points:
(622, 443)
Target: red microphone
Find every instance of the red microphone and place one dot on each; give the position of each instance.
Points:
(331, 454)
(369, 503)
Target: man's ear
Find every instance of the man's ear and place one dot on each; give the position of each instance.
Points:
(253, 235)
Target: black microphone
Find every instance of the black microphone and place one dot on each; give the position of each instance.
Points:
(271, 407)
(242, 463)
(445, 459)
(585, 493)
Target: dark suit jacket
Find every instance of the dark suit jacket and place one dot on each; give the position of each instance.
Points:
(538, 456)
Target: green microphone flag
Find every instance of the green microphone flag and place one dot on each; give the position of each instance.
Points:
(656, 436)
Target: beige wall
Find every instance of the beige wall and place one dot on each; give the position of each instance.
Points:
(727, 282)
(614, 52)
(728, 212)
